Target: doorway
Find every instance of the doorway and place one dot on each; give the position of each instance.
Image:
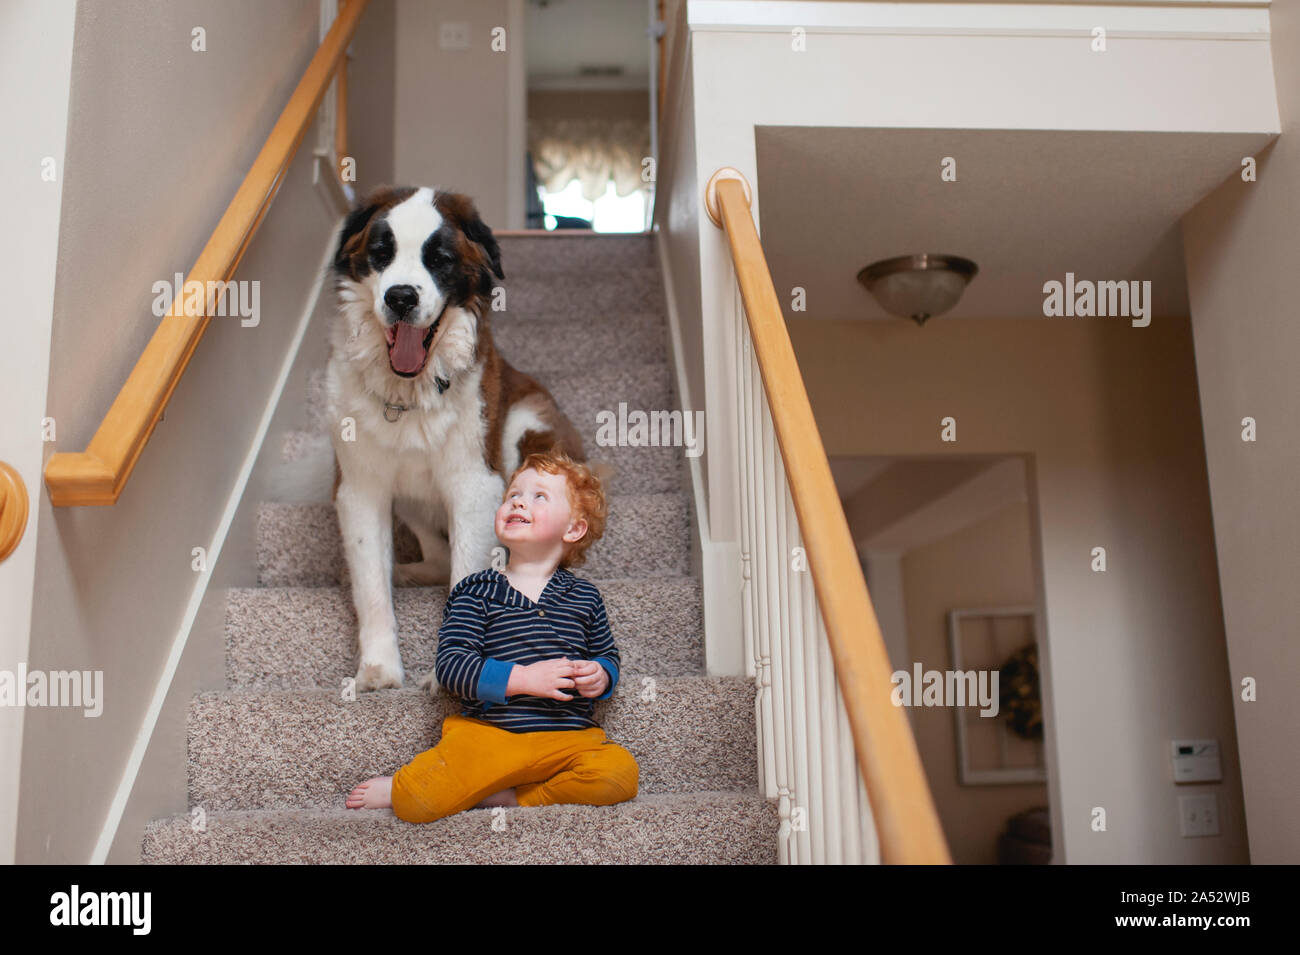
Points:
(948, 550)
(591, 69)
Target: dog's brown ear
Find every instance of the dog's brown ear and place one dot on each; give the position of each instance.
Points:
(460, 209)
(480, 233)
(350, 256)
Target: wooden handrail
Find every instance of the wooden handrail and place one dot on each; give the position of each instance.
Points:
(98, 474)
(906, 820)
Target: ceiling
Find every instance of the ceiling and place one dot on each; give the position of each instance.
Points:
(896, 504)
(1027, 206)
(851, 474)
(564, 36)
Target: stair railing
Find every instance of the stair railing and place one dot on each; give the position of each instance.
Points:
(99, 474)
(834, 750)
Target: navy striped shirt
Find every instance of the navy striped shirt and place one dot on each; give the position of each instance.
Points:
(488, 626)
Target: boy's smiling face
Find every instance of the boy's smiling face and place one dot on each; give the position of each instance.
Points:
(536, 512)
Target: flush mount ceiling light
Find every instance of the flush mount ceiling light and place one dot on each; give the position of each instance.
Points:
(918, 286)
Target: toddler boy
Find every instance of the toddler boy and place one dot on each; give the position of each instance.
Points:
(516, 646)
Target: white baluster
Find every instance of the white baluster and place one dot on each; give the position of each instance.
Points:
(805, 744)
(796, 637)
(749, 585)
(771, 547)
(850, 816)
(761, 573)
(870, 840)
(847, 793)
(781, 655)
(827, 705)
(817, 802)
(743, 485)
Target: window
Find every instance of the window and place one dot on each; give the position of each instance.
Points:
(609, 213)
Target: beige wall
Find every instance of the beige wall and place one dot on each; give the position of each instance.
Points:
(988, 564)
(159, 138)
(454, 106)
(1241, 245)
(588, 104)
(36, 44)
(1135, 656)
(372, 96)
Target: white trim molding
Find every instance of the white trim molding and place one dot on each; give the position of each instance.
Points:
(1214, 19)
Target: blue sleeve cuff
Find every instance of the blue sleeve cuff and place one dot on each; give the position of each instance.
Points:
(612, 670)
(493, 679)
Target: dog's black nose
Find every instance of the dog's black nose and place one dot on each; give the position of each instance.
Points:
(401, 299)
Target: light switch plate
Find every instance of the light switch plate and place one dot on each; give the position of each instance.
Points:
(453, 35)
(1198, 815)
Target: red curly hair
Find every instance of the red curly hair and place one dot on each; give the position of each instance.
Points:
(586, 497)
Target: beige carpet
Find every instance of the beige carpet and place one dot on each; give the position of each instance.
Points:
(272, 758)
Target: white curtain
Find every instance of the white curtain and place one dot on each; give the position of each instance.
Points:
(593, 151)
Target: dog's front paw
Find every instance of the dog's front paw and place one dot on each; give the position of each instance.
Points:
(379, 676)
(429, 682)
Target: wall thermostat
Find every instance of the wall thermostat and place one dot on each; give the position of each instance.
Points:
(1197, 761)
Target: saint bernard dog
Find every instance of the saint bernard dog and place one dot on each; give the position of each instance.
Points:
(427, 420)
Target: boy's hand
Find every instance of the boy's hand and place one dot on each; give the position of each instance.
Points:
(546, 678)
(590, 677)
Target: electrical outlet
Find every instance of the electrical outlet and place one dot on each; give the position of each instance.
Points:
(453, 36)
(1199, 815)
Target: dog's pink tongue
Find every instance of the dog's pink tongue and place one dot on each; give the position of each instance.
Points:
(407, 351)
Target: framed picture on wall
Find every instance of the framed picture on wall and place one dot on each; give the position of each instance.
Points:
(1007, 748)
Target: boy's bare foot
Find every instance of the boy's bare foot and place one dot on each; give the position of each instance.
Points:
(374, 793)
(504, 798)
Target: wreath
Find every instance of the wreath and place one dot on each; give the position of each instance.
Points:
(1018, 694)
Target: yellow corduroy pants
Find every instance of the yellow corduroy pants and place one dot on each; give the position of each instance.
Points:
(476, 759)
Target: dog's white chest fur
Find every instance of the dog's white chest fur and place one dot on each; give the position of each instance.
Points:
(421, 447)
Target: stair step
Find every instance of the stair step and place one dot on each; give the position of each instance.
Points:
(566, 345)
(593, 295)
(300, 444)
(309, 748)
(547, 254)
(285, 638)
(646, 535)
(737, 828)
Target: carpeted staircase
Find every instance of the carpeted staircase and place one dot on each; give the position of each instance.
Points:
(272, 758)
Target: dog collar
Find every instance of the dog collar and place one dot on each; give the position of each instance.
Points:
(393, 411)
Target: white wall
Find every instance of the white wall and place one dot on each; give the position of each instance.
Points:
(372, 93)
(36, 39)
(849, 75)
(159, 138)
(1133, 657)
(1241, 247)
